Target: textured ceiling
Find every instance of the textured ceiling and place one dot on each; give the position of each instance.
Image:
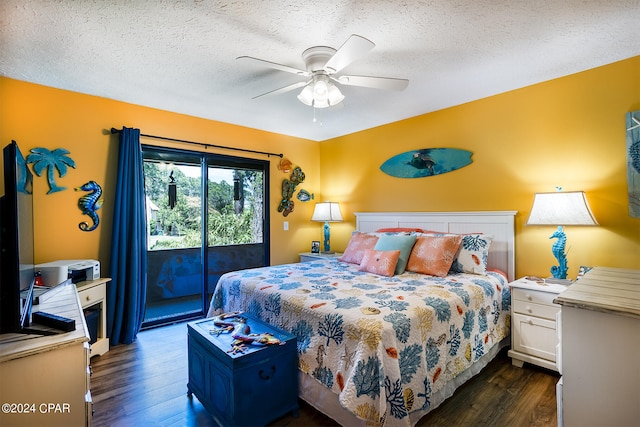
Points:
(180, 55)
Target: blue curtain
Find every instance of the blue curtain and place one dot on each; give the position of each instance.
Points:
(127, 292)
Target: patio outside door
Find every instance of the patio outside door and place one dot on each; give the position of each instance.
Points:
(206, 216)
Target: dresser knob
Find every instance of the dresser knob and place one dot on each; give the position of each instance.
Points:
(529, 310)
(528, 297)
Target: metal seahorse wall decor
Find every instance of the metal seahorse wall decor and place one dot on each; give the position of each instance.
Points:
(89, 204)
(559, 271)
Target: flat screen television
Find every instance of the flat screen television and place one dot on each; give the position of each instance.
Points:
(16, 242)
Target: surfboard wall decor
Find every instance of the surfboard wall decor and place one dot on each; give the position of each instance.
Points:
(426, 162)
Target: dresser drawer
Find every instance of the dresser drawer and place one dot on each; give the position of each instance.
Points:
(91, 296)
(533, 309)
(537, 297)
(534, 337)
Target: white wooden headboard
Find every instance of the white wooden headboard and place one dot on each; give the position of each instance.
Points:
(498, 224)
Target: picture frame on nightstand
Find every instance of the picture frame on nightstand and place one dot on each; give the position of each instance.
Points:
(583, 270)
(315, 246)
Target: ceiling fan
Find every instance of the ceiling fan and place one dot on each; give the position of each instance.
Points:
(323, 65)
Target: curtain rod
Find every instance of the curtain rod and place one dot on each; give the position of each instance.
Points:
(205, 145)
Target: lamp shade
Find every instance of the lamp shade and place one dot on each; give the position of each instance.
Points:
(561, 208)
(306, 96)
(327, 212)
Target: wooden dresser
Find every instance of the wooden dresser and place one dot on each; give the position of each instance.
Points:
(600, 350)
(44, 380)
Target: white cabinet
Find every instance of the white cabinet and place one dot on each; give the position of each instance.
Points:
(600, 322)
(533, 323)
(93, 296)
(44, 380)
(311, 256)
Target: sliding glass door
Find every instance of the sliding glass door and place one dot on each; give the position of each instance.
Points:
(236, 213)
(207, 215)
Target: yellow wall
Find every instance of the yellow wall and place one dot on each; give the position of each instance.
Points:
(568, 132)
(39, 116)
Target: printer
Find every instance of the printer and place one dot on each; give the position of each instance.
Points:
(78, 270)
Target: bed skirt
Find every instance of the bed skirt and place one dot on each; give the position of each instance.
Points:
(325, 401)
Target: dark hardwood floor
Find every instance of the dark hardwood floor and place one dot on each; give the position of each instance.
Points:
(144, 384)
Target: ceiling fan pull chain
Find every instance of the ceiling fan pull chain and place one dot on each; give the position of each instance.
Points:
(314, 116)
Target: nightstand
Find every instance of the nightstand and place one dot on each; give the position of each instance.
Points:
(310, 256)
(533, 322)
(93, 298)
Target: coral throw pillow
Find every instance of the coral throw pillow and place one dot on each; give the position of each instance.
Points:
(356, 247)
(433, 255)
(380, 262)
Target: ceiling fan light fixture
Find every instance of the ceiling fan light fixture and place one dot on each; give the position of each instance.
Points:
(320, 93)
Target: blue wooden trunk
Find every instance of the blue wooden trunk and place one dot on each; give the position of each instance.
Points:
(251, 388)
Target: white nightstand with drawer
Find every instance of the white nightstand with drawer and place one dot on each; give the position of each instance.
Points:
(533, 322)
(312, 256)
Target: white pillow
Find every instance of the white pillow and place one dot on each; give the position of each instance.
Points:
(473, 254)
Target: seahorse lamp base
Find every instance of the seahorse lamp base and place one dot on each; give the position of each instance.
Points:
(327, 239)
(559, 271)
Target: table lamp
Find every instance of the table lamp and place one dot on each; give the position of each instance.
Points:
(327, 212)
(560, 208)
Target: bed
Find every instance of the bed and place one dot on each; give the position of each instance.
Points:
(382, 345)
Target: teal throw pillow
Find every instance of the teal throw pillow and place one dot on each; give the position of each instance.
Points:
(402, 242)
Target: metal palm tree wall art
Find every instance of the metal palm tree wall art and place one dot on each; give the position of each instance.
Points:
(56, 160)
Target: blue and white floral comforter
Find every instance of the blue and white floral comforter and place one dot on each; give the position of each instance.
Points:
(383, 344)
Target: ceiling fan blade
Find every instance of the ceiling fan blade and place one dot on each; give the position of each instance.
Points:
(354, 48)
(284, 89)
(274, 65)
(386, 83)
